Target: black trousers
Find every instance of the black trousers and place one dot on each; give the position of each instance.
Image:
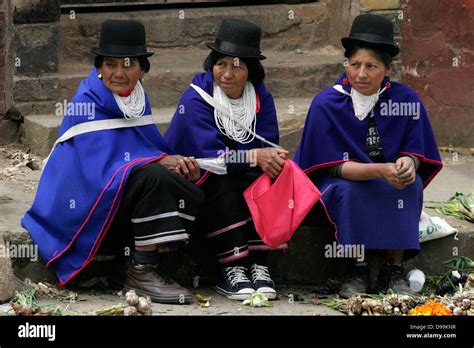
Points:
(225, 219)
(157, 207)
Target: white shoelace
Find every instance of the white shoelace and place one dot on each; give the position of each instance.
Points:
(132, 106)
(243, 110)
(260, 273)
(236, 275)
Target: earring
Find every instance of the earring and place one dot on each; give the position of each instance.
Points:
(100, 76)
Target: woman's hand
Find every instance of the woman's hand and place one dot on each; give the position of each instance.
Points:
(270, 160)
(406, 170)
(186, 167)
(389, 172)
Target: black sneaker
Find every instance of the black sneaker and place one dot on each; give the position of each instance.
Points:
(393, 277)
(234, 284)
(357, 281)
(262, 282)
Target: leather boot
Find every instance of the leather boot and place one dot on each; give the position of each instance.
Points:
(146, 281)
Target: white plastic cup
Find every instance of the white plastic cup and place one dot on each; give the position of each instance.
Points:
(416, 279)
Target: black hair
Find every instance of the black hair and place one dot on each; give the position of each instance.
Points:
(254, 67)
(143, 61)
(384, 56)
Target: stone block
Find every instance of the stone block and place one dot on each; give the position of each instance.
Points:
(6, 277)
(8, 131)
(28, 89)
(287, 27)
(37, 135)
(37, 47)
(371, 5)
(36, 11)
(36, 108)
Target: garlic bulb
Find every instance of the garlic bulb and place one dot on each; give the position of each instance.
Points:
(131, 298)
(130, 311)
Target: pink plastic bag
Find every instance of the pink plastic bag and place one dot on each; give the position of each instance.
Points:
(278, 209)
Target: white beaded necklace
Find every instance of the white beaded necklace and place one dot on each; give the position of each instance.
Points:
(132, 106)
(363, 104)
(242, 110)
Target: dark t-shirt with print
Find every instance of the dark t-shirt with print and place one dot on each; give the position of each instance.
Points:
(373, 147)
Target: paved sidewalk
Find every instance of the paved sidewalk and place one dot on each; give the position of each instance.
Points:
(89, 301)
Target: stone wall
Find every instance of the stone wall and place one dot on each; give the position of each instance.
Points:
(8, 128)
(438, 60)
(36, 86)
(437, 43)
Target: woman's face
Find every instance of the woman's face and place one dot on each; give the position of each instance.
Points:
(366, 71)
(120, 75)
(230, 74)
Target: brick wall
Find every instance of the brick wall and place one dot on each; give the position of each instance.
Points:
(438, 60)
(436, 39)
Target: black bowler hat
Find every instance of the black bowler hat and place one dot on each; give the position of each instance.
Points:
(122, 38)
(373, 31)
(238, 38)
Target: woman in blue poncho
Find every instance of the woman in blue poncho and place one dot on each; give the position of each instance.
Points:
(234, 80)
(111, 174)
(368, 144)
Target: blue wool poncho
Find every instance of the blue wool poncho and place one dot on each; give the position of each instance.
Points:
(82, 183)
(370, 213)
(193, 131)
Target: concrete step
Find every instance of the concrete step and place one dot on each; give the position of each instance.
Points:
(284, 27)
(39, 132)
(288, 74)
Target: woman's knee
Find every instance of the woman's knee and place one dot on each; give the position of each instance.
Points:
(153, 172)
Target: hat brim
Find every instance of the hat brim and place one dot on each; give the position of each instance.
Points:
(213, 47)
(98, 52)
(348, 42)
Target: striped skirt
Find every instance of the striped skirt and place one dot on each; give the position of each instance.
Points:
(157, 207)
